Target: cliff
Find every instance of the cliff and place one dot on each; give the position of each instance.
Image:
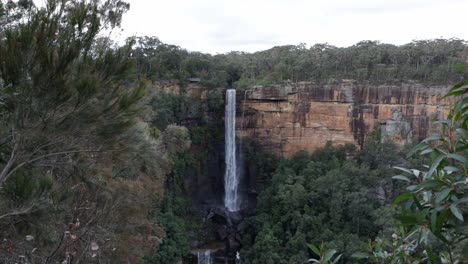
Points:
(289, 118)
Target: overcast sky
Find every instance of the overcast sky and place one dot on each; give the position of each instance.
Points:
(218, 26)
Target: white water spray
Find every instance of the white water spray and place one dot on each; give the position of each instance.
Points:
(204, 257)
(231, 178)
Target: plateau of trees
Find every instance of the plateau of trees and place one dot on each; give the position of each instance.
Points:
(426, 61)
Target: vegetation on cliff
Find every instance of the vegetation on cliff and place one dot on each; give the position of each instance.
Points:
(336, 195)
(347, 200)
(93, 164)
(425, 61)
(432, 219)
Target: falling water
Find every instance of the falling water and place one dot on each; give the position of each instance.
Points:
(231, 178)
(204, 257)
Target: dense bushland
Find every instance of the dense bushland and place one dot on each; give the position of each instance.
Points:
(427, 61)
(337, 195)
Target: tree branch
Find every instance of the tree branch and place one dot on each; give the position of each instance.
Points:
(7, 172)
(20, 212)
(4, 174)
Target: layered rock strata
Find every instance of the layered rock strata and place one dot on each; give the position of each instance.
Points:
(289, 118)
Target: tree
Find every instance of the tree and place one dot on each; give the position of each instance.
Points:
(61, 95)
(432, 221)
(65, 99)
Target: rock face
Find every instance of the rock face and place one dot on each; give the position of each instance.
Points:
(289, 118)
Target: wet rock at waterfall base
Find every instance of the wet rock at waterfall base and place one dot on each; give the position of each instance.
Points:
(222, 232)
(218, 216)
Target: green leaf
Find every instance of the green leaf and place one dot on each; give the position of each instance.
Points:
(457, 89)
(329, 254)
(431, 184)
(456, 212)
(407, 220)
(360, 255)
(416, 172)
(416, 201)
(443, 121)
(461, 148)
(401, 177)
(432, 138)
(423, 235)
(415, 149)
(403, 169)
(442, 194)
(458, 106)
(422, 215)
(314, 249)
(434, 165)
(457, 157)
(426, 151)
(441, 237)
(402, 197)
(433, 221)
(433, 258)
(337, 259)
(461, 132)
(465, 251)
(462, 200)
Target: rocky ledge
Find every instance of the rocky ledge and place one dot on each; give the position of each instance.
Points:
(289, 118)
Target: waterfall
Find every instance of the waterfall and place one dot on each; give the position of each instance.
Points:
(204, 257)
(231, 178)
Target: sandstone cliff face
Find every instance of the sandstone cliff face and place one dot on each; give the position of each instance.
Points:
(289, 118)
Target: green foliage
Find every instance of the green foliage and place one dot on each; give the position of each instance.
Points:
(215, 101)
(432, 222)
(379, 154)
(177, 109)
(171, 109)
(67, 102)
(158, 60)
(56, 86)
(326, 196)
(324, 256)
(428, 61)
(174, 215)
(262, 164)
(176, 243)
(22, 187)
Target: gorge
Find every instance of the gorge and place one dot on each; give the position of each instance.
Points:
(145, 152)
(284, 119)
(305, 115)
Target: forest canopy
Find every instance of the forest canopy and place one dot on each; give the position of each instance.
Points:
(427, 61)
